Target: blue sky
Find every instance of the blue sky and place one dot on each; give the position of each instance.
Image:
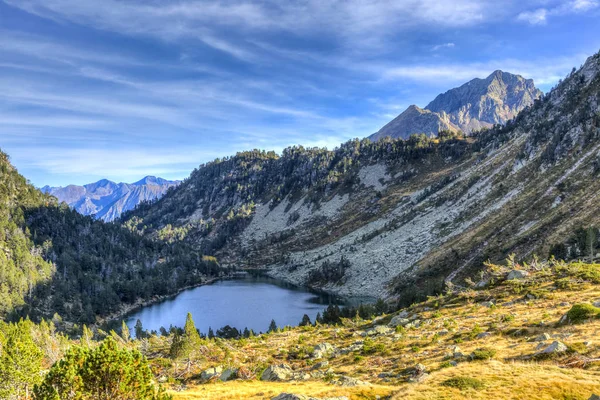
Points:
(121, 89)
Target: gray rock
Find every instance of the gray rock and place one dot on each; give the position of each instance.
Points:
(484, 335)
(419, 373)
(321, 364)
(517, 274)
(347, 381)
(482, 283)
(210, 373)
(322, 350)
(293, 396)
(543, 337)
(596, 303)
(398, 321)
(555, 347)
(379, 330)
(594, 397)
(228, 374)
(356, 346)
(276, 373)
(487, 304)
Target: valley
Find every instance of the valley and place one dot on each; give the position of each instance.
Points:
(476, 250)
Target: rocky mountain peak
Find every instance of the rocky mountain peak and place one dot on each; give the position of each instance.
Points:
(479, 103)
(106, 199)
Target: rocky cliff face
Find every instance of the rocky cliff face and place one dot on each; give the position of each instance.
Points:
(477, 104)
(107, 200)
(401, 217)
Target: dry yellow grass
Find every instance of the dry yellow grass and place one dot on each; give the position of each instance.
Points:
(267, 390)
(508, 381)
(447, 322)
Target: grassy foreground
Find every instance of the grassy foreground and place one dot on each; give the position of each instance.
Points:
(475, 343)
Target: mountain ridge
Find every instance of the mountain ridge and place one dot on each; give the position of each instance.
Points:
(397, 217)
(477, 104)
(107, 200)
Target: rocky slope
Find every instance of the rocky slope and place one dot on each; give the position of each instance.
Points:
(478, 104)
(399, 218)
(107, 200)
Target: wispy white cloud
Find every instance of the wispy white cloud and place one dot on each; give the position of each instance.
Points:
(540, 16)
(448, 45)
(542, 70)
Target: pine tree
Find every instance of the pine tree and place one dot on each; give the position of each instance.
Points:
(318, 319)
(103, 373)
(20, 361)
(305, 321)
(272, 326)
(139, 330)
(211, 334)
(186, 346)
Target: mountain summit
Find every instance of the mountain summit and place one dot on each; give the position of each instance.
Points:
(107, 200)
(479, 103)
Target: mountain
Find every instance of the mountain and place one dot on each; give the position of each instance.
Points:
(401, 218)
(107, 200)
(479, 103)
(55, 260)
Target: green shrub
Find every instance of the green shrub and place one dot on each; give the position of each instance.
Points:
(581, 312)
(464, 383)
(483, 353)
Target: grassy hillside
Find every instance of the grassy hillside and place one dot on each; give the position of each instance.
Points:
(523, 331)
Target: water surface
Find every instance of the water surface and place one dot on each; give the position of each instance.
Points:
(248, 301)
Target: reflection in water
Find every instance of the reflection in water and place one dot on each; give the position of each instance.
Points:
(247, 301)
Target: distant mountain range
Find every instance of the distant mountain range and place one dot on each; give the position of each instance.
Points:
(479, 103)
(107, 200)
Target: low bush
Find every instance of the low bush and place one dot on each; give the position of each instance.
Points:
(483, 353)
(581, 312)
(463, 383)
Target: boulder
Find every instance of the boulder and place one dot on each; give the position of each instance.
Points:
(543, 337)
(482, 283)
(488, 304)
(323, 350)
(379, 330)
(356, 346)
(517, 274)
(594, 397)
(398, 321)
(484, 335)
(321, 364)
(228, 374)
(276, 373)
(555, 347)
(293, 396)
(347, 381)
(210, 373)
(419, 373)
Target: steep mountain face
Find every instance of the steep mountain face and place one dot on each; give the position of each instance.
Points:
(107, 200)
(399, 218)
(478, 104)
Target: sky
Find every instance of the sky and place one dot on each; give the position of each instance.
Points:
(120, 89)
